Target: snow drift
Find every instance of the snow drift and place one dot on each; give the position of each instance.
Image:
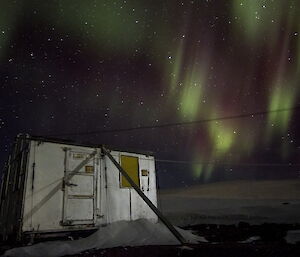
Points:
(255, 202)
(122, 233)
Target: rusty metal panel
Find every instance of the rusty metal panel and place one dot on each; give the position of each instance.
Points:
(12, 189)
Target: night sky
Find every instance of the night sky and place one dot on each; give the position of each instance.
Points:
(72, 66)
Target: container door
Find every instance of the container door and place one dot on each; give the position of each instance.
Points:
(79, 189)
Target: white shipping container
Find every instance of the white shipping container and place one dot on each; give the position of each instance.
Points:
(50, 186)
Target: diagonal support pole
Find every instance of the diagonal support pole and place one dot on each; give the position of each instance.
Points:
(145, 198)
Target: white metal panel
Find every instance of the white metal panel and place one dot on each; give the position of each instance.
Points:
(79, 191)
(43, 206)
(124, 203)
(43, 202)
(85, 212)
(77, 156)
(117, 199)
(27, 205)
(81, 185)
(148, 185)
(100, 195)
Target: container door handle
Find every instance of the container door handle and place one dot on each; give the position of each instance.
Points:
(71, 184)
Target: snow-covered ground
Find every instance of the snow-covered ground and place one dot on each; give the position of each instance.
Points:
(122, 233)
(293, 236)
(255, 202)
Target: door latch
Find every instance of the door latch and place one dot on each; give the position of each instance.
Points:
(70, 184)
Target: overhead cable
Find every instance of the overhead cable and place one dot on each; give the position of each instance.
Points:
(175, 124)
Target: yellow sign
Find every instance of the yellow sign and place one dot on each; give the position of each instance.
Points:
(77, 156)
(131, 165)
(145, 172)
(89, 169)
